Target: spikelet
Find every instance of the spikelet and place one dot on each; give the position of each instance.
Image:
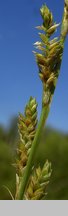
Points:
(49, 59)
(36, 189)
(27, 128)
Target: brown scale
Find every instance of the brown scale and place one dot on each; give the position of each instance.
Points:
(22, 157)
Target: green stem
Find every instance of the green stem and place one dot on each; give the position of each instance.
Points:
(25, 178)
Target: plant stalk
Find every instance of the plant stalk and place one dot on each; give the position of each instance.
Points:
(43, 117)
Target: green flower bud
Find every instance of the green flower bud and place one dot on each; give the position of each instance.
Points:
(47, 16)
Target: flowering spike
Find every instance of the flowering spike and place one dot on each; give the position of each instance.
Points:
(49, 59)
(38, 182)
(27, 128)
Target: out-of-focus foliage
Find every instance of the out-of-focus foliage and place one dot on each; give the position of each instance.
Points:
(53, 146)
(7, 171)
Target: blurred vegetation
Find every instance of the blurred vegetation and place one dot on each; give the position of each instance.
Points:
(53, 146)
(8, 142)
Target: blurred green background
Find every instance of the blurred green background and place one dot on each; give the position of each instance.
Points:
(53, 146)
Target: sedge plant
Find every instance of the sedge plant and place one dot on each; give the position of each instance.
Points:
(31, 182)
